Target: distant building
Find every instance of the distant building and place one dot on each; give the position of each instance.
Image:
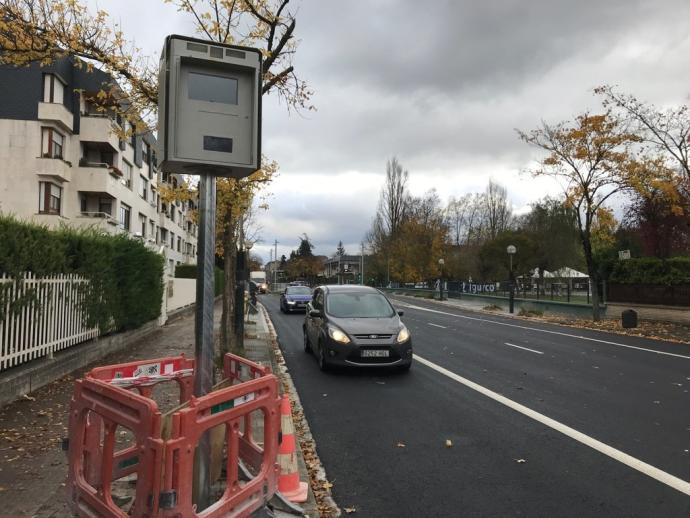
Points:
(347, 266)
(61, 161)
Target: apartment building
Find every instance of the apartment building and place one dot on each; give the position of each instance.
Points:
(63, 162)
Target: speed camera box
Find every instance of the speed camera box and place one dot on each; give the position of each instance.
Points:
(209, 108)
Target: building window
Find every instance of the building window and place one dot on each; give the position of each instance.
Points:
(127, 174)
(53, 89)
(152, 230)
(143, 187)
(172, 212)
(142, 224)
(164, 236)
(52, 143)
(146, 154)
(49, 198)
(105, 206)
(125, 216)
(179, 244)
(172, 241)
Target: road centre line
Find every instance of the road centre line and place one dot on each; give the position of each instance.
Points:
(525, 348)
(436, 325)
(622, 457)
(545, 331)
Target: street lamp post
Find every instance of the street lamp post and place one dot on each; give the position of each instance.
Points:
(441, 262)
(511, 249)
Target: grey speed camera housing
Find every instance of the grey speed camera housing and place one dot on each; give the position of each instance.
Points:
(209, 108)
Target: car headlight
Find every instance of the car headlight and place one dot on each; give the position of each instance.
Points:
(403, 335)
(337, 335)
(291, 302)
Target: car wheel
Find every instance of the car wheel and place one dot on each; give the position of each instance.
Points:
(323, 364)
(307, 346)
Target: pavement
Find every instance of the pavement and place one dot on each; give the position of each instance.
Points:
(502, 416)
(32, 465)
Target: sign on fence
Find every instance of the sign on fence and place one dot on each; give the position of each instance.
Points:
(39, 316)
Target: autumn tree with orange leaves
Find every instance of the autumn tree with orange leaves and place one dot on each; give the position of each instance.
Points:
(592, 159)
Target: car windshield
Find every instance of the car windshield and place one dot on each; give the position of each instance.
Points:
(298, 290)
(359, 305)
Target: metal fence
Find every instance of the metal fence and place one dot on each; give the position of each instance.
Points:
(572, 293)
(659, 294)
(39, 316)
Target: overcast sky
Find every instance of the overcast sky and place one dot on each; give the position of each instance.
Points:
(442, 85)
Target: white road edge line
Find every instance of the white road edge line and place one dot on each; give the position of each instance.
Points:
(547, 331)
(647, 469)
(436, 325)
(525, 348)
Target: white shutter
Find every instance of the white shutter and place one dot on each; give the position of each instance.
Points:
(47, 79)
(58, 91)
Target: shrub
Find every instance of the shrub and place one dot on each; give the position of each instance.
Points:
(651, 270)
(125, 278)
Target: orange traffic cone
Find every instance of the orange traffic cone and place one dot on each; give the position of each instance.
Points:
(289, 483)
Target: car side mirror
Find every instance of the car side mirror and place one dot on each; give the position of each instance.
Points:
(314, 313)
(400, 313)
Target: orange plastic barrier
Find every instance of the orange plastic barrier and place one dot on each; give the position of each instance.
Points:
(113, 405)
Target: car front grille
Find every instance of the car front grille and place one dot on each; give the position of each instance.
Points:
(372, 336)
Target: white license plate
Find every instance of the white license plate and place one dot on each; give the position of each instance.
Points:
(374, 353)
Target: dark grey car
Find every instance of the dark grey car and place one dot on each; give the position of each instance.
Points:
(355, 325)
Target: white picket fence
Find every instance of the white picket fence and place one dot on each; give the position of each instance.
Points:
(50, 321)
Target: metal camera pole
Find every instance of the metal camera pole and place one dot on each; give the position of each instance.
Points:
(203, 328)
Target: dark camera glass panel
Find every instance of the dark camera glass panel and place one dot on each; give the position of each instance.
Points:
(223, 145)
(212, 89)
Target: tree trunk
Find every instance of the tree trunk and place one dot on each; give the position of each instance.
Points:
(229, 260)
(540, 284)
(593, 277)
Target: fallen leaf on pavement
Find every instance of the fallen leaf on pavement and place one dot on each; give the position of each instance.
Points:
(400, 445)
(350, 510)
(449, 443)
(520, 461)
(327, 485)
(30, 398)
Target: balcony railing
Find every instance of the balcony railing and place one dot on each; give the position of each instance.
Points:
(100, 215)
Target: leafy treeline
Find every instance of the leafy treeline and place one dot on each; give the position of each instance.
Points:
(410, 234)
(652, 270)
(302, 263)
(628, 151)
(126, 279)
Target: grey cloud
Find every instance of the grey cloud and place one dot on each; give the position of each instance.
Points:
(448, 46)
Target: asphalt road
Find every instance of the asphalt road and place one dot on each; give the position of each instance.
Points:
(543, 420)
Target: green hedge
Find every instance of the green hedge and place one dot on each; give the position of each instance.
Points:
(188, 271)
(126, 278)
(650, 270)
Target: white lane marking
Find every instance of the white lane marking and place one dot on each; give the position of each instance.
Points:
(622, 457)
(436, 325)
(525, 348)
(547, 331)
